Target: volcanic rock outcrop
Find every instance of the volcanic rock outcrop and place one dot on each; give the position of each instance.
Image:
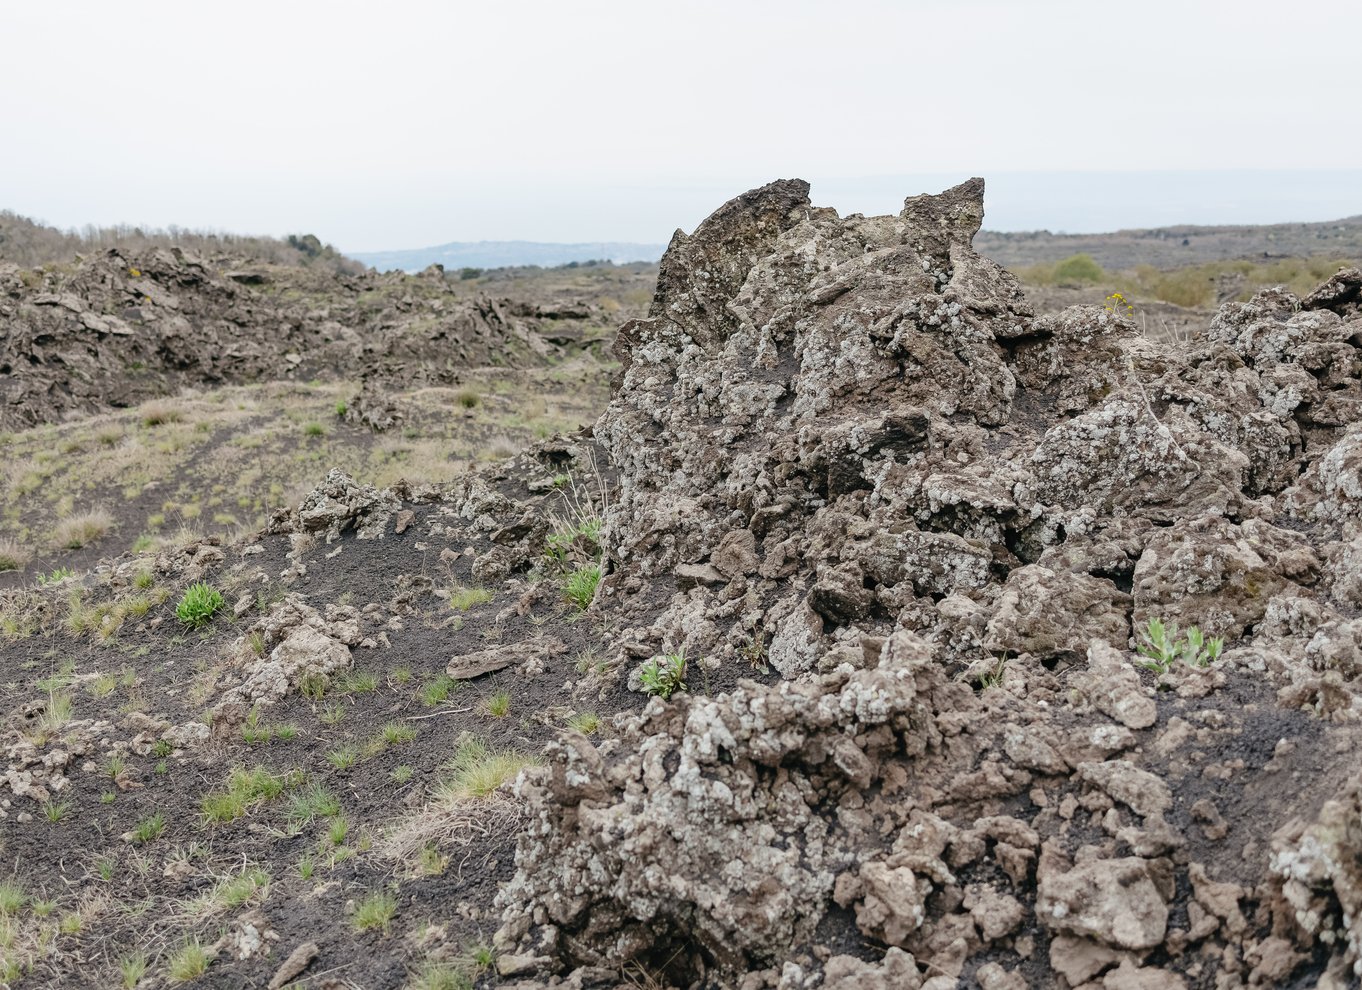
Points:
(114, 331)
(847, 450)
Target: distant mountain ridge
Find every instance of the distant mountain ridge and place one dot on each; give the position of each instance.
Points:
(507, 254)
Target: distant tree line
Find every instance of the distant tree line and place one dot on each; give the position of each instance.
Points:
(27, 243)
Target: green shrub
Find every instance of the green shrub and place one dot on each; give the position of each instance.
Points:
(1078, 268)
(199, 603)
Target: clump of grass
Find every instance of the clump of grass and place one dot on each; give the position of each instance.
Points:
(81, 530)
(12, 898)
(338, 830)
(188, 962)
(56, 713)
(469, 399)
(200, 601)
(310, 803)
(332, 714)
(143, 580)
(341, 410)
(587, 723)
(13, 555)
(238, 890)
(132, 968)
(499, 704)
(402, 774)
(160, 412)
(357, 682)
(437, 691)
(343, 757)
(375, 911)
(462, 599)
(314, 429)
(579, 586)
(243, 790)
(55, 811)
(398, 732)
(149, 828)
(479, 770)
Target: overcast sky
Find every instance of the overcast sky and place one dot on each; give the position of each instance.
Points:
(404, 124)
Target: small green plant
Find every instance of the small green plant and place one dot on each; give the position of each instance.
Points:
(343, 757)
(1163, 646)
(162, 749)
(400, 675)
(663, 676)
(306, 866)
(469, 399)
(462, 599)
(357, 682)
(199, 603)
(59, 574)
(312, 686)
(375, 911)
(238, 890)
(105, 866)
(132, 968)
(341, 410)
(55, 811)
(310, 803)
(332, 714)
(143, 580)
(188, 962)
(338, 830)
(479, 770)
(149, 828)
(244, 789)
(402, 774)
(499, 704)
(398, 732)
(314, 430)
(108, 797)
(12, 898)
(587, 723)
(437, 691)
(579, 586)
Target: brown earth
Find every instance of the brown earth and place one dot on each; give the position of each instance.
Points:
(900, 533)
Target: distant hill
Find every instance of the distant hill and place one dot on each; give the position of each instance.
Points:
(507, 254)
(1176, 247)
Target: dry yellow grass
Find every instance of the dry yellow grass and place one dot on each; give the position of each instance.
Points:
(81, 530)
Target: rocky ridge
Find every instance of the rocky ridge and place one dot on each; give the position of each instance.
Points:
(846, 448)
(113, 331)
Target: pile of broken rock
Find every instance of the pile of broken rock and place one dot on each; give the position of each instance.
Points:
(847, 449)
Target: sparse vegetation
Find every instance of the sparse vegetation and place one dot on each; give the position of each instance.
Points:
(198, 605)
(132, 968)
(13, 556)
(1163, 645)
(462, 599)
(375, 911)
(499, 704)
(479, 770)
(587, 723)
(579, 586)
(438, 690)
(187, 962)
(149, 828)
(663, 675)
(75, 532)
(244, 789)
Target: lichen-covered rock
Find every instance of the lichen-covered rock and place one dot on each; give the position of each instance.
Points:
(849, 458)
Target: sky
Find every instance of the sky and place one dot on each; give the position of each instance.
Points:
(408, 123)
